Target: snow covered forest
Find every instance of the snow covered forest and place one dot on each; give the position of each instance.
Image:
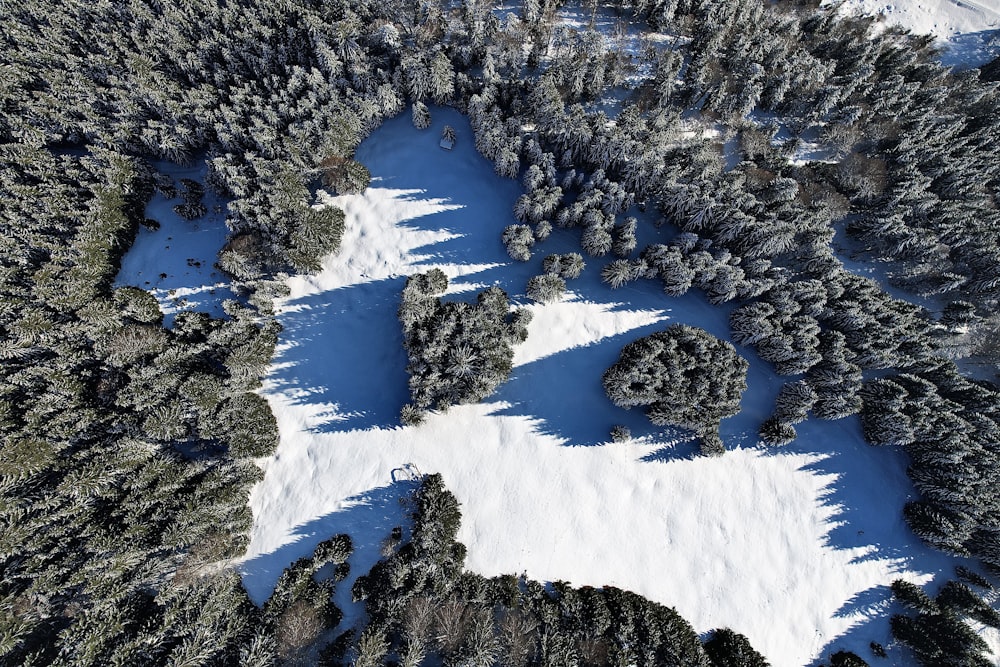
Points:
(819, 179)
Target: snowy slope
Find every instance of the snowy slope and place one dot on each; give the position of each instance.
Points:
(965, 28)
(794, 547)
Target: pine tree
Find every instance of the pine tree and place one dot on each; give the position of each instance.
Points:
(546, 288)
(420, 115)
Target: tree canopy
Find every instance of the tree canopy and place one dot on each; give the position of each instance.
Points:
(684, 377)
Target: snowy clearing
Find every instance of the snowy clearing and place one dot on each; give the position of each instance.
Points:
(176, 263)
(794, 547)
(965, 28)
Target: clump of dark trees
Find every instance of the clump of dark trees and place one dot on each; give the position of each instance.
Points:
(126, 448)
(685, 377)
(936, 629)
(458, 352)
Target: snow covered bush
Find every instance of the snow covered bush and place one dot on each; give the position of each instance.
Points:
(620, 433)
(684, 376)
(458, 352)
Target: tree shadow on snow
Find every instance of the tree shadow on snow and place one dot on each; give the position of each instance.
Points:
(867, 490)
(344, 357)
(564, 392)
(368, 518)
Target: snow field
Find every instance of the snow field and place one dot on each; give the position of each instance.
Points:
(794, 547)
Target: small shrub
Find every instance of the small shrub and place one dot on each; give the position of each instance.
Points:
(621, 433)
(776, 432)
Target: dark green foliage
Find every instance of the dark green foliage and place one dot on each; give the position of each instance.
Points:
(948, 425)
(345, 176)
(726, 648)
(116, 494)
(428, 564)
(458, 352)
(938, 633)
(99, 506)
(300, 609)
(318, 233)
(246, 424)
(773, 431)
(138, 304)
(973, 578)
(335, 550)
(685, 377)
(846, 659)
(913, 596)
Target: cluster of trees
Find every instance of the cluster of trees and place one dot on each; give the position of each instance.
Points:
(556, 270)
(265, 99)
(936, 629)
(948, 426)
(127, 447)
(685, 376)
(458, 352)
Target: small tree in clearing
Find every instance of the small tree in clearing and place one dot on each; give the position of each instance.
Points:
(546, 288)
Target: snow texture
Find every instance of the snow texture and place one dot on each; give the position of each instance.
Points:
(793, 547)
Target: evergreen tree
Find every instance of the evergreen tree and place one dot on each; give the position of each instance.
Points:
(683, 375)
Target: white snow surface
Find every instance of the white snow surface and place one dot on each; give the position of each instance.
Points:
(795, 547)
(965, 28)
